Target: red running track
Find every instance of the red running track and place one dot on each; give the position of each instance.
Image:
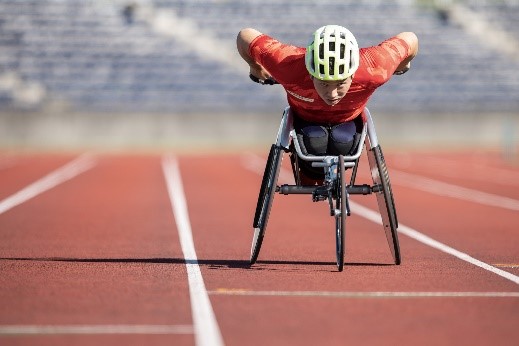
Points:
(100, 251)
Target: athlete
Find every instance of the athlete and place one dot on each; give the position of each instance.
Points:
(328, 83)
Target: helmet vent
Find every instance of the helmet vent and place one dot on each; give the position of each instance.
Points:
(333, 54)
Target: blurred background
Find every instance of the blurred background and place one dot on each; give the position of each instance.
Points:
(165, 74)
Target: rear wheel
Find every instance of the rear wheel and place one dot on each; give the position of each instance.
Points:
(386, 203)
(265, 199)
(340, 216)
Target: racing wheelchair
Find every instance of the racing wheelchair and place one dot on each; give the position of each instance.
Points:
(335, 189)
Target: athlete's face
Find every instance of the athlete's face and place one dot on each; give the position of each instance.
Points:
(332, 91)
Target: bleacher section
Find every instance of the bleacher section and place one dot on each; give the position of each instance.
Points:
(110, 56)
(503, 14)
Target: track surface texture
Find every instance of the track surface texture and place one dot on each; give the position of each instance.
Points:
(153, 249)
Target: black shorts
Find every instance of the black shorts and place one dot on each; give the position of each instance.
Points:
(326, 139)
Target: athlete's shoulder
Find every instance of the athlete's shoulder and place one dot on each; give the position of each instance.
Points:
(397, 47)
(268, 44)
(375, 67)
(377, 63)
(394, 46)
(284, 62)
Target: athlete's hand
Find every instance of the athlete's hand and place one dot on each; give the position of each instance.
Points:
(403, 70)
(268, 81)
(260, 74)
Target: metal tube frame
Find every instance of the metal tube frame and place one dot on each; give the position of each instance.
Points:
(286, 135)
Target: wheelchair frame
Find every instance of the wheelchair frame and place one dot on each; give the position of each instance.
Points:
(334, 188)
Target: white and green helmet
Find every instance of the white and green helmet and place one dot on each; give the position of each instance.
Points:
(333, 53)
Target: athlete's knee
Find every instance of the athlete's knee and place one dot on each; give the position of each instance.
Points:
(315, 139)
(344, 138)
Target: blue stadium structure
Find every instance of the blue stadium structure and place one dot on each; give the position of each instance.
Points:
(178, 55)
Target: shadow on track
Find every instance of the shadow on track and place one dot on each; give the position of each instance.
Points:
(212, 264)
(97, 260)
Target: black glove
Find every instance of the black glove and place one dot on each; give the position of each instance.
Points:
(268, 81)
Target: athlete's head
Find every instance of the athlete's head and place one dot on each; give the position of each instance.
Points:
(332, 57)
(332, 54)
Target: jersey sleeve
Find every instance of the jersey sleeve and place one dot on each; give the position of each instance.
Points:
(397, 48)
(383, 60)
(277, 58)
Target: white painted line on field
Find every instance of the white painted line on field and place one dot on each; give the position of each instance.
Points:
(238, 292)
(414, 234)
(422, 238)
(449, 190)
(474, 170)
(506, 265)
(67, 172)
(14, 330)
(206, 328)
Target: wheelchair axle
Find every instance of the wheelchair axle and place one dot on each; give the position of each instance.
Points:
(318, 191)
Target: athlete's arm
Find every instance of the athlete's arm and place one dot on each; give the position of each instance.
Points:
(412, 41)
(243, 41)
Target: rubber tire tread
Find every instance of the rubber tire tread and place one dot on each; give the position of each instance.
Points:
(266, 196)
(389, 202)
(340, 222)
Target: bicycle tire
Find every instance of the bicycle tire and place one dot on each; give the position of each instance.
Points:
(265, 199)
(385, 200)
(340, 220)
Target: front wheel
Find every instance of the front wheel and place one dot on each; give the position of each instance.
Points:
(265, 199)
(340, 214)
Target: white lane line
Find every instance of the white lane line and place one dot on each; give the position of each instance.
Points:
(412, 233)
(94, 329)
(206, 328)
(475, 171)
(449, 190)
(67, 172)
(422, 238)
(506, 265)
(237, 292)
